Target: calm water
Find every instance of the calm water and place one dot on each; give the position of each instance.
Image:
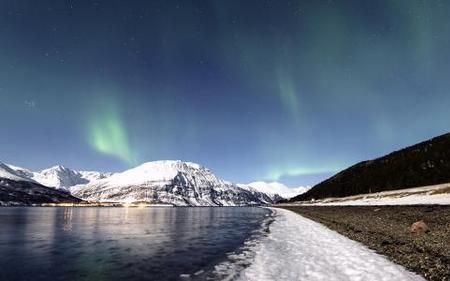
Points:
(123, 243)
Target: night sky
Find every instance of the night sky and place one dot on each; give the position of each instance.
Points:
(255, 90)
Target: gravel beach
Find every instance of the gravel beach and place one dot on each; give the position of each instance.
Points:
(387, 230)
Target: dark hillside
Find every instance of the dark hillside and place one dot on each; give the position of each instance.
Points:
(27, 193)
(426, 163)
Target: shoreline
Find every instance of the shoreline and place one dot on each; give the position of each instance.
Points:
(297, 248)
(122, 205)
(386, 230)
(237, 261)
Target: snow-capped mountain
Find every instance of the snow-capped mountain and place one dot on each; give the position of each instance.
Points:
(275, 189)
(17, 189)
(170, 182)
(8, 172)
(59, 177)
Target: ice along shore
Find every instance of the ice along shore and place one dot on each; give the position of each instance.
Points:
(298, 248)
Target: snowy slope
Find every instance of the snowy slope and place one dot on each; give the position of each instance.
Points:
(59, 177)
(275, 188)
(300, 249)
(171, 182)
(8, 173)
(433, 194)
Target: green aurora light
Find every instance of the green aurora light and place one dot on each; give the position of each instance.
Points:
(107, 133)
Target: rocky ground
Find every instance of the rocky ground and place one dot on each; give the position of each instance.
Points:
(387, 230)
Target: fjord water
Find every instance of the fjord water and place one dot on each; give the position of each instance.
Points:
(158, 243)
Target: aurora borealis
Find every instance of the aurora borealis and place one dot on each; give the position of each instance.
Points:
(107, 133)
(255, 90)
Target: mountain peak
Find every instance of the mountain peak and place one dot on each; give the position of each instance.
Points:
(57, 168)
(275, 188)
(170, 164)
(59, 176)
(162, 171)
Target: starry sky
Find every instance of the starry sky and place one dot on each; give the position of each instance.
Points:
(291, 91)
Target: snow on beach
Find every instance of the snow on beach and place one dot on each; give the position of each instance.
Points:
(434, 194)
(423, 199)
(301, 249)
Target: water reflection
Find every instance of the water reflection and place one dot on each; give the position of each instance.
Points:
(120, 243)
(68, 218)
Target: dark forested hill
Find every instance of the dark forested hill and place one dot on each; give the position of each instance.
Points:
(426, 163)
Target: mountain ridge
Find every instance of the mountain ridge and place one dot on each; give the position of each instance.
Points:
(164, 181)
(18, 190)
(59, 176)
